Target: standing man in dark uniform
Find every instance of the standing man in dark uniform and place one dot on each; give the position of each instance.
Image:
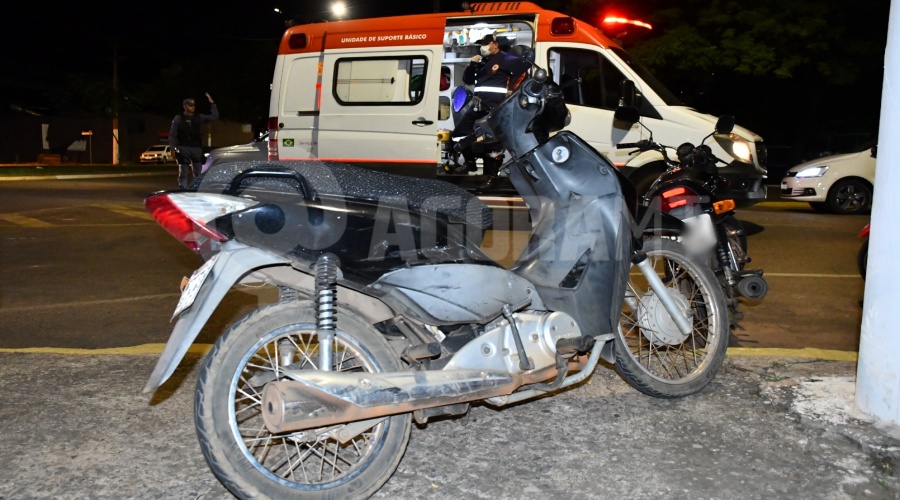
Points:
(494, 74)
(186, 139)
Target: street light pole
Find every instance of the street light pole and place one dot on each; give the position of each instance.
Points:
(115, 124)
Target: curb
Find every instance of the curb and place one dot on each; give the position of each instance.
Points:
(201, 349)
(78, 176)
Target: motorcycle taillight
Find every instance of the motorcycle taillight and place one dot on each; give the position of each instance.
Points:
(677, 197)
(186, 215)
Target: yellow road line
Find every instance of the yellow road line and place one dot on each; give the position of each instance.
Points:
(202, 349)
(82, 303)
(138, 350)
(781, 204)
(21, 220)
(130, 212)
(806, 352)
(811, 275)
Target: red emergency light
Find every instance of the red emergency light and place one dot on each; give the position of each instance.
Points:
(615, 21)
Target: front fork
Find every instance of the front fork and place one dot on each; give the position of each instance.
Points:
(659, 288)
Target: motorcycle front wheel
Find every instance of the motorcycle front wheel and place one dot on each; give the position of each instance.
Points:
(652, 354)
(254, 463)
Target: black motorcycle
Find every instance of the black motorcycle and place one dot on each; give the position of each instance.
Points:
(692, 190)
(389, 312)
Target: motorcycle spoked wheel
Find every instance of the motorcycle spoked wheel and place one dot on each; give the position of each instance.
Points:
(651, 353)
(254, 463)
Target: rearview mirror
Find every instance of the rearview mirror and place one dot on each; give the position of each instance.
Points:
(725, 124)
(627, 111)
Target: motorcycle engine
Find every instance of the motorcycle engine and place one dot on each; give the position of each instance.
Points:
(495, 350)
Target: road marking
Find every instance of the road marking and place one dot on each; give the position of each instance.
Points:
(138, 350)
(810, 275)
(77, 176)
(782, 204)
(806, 352)
(123, 210)
(202, 349)
(21, 220)
(31, 222)
(88, 303)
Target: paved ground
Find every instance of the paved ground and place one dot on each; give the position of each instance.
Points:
(781, 425)
(766, 427)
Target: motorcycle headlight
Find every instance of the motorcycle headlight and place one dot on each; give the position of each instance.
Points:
(813, 171)
(736, 146)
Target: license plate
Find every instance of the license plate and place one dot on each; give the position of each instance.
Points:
(700, 236)
(190, 291)
(784, 185)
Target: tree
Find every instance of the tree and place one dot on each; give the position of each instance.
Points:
(789, 70)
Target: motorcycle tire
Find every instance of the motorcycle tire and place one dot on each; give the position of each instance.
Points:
(651, 353)
(254, 463)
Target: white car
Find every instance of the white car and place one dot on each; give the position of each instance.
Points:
(839, 183)
(158, 153)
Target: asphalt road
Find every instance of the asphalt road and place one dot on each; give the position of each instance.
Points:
(84, 266)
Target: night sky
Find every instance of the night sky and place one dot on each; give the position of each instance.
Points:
(229, 47)
(40, 39)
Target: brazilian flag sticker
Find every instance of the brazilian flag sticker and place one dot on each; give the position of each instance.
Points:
(288, 143)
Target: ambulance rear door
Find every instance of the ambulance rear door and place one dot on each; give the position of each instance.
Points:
(380, 109)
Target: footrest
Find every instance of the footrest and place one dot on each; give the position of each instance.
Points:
(578, 344)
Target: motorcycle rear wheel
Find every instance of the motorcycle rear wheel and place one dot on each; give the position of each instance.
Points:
(254, 463)
(651, 354)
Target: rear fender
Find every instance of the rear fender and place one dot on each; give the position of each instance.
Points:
(235, 260)
(651, 221)
(864, 233)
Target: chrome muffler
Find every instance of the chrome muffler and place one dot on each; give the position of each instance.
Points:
(321, 398)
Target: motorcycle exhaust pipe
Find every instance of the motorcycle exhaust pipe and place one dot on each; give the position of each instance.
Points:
(752, 287)
(321, 398)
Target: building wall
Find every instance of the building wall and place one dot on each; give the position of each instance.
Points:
(23, 136)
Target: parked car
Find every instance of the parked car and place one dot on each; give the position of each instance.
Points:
(841, 184)
(158, 153)
(255, 150)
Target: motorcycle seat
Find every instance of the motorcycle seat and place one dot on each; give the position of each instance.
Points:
(335, 179)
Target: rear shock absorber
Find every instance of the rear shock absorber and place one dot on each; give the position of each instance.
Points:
(722, 255)
(326, 303)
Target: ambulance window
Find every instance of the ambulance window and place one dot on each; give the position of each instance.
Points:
(443, 108)
(379, 81)
(600, 80)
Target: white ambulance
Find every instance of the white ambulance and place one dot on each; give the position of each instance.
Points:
(378, 93)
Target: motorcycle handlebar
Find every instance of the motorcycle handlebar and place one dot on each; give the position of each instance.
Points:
(535, 85)
(643, 145)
